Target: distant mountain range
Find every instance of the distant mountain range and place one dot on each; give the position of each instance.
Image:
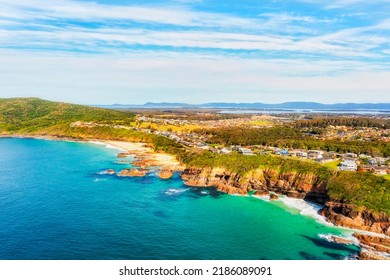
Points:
(282, 106)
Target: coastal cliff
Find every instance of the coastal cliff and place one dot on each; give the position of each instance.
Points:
(346, 215)
(303, 185)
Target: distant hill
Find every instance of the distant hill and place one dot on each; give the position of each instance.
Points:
(35, 113)
(256, 105)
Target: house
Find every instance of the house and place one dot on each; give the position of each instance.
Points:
(202, 146)
(381, 160)
(277, 151)
(315, 154)
(348, 165)
(225, 151)
(301, 154)
(235, 148)
(372, 161)
(364, 168)
(380, 170)
(284, 152)
(350, 155)
(246, 151)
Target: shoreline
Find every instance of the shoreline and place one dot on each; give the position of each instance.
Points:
(142, 152)
(138, 149)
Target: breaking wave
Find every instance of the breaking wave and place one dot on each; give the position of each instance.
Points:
(305, 208)
(172, 191)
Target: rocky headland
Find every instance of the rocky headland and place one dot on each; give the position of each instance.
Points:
(260, 181)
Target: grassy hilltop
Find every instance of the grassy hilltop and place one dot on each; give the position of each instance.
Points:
(34, 114)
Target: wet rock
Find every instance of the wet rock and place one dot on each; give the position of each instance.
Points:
(261, 193)
(144, 163)
(132, 173)
(367, 255)
(165, 174)
(123, 155)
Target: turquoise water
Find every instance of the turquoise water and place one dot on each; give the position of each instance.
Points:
(55, 204)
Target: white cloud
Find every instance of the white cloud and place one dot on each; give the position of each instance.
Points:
(335, 4)
(266, 33)
(344, 43)
(140, 78)
(68, 9)
(114, 72)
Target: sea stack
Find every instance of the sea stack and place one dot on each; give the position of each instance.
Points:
(165, 174)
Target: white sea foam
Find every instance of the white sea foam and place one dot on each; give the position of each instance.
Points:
(263, 197)
(172, 191)
(108, 146)
(305, 208)
(103, 172)
(331, 238)
(99, 180)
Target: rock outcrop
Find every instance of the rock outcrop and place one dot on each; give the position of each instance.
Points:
(367, 255)
(346, 215)
(144, 163)
(339, 240)
(165, 174)
(214, 177)
(132, 173)
(123, 155)
(374, 242)
(292, 184)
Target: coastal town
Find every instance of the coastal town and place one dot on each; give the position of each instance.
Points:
(186, 131)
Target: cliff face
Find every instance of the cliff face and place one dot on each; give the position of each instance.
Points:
(306, 186)
(292, 184)
(345, 215)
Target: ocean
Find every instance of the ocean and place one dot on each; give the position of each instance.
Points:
(56, 202)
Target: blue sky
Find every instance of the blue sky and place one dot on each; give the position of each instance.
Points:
(195, 51)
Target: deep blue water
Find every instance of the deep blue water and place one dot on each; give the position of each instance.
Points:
(55, 204)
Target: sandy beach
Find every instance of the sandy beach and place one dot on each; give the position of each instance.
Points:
(141, 150)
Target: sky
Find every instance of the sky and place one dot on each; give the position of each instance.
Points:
(195, 51)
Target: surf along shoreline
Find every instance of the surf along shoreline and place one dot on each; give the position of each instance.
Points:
(145, 157)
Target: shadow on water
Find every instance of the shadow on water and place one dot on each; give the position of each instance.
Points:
(332, 245)
(160, 214)
(308, 256)
(205, 191)
(336, 256)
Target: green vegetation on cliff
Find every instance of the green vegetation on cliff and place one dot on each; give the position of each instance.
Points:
(361, 190)
(34, 114)
(358, 189)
